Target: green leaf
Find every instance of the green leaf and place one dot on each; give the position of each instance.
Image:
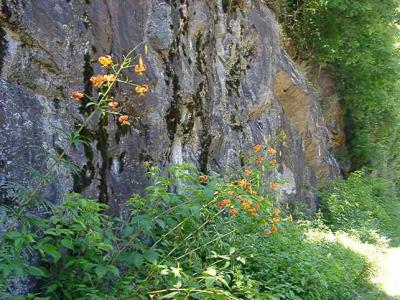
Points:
(150, 255)
(50, 289)
(18, 244)
(51, 250)
(132, 258)
(19, 269)
(101, 271)
(113, 269)
(38, 272)
(90, 104)
(5, 270)
(178, 285)
(303, 281)
(67, 244)
(241, 259)
(164, 272)
(209, 282)
(160, 223)
(170, 295)
(223, 281)
(176, 271)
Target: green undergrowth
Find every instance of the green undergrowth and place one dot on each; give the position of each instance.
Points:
(182, 239)
(364, 205)
(293, 266)
(364, 212)
(359, 41)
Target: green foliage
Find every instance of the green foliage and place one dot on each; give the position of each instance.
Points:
(297, 268)
(358, 39)
(365, 205)
(69, 250)
(179, 240)
(78, 252)
(189, 236)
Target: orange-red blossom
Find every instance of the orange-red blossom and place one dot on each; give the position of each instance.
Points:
(247, 204)
(225, 202)
(271, 151)
(124, 120)
(97, 80)
(247, 172)
(203, 178)
(276, 211)
(244, 184)
(274, 186)
(257, 148)
(276, 220)
(109, 78)
(260, 159)
(100, 79)
(77, 95)
(233, 211)
(252, 211)
(113, 105)
(268, 232)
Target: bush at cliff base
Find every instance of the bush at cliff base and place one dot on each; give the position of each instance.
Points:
(365, 206)
(208, 239)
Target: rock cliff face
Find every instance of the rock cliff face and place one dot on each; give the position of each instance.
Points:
(220, 83)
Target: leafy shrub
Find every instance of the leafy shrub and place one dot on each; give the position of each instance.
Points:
(190, 242)
(69, 250)
(169, 242)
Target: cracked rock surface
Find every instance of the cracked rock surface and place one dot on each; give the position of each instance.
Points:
(220, 82)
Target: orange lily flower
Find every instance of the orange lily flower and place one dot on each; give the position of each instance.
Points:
(140, 68)
(274, 186)
(141, 89)
(124, 120)
(271, 151)
(105, 61)
(257, 148)
(77, 96)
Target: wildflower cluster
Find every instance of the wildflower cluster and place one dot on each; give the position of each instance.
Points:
(79, 246)
(113, 72)
(101, 103)
(249, 196)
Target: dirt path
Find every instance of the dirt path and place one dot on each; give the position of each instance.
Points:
(388, 277)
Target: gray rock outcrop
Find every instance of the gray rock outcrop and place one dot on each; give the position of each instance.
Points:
(220, 82)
